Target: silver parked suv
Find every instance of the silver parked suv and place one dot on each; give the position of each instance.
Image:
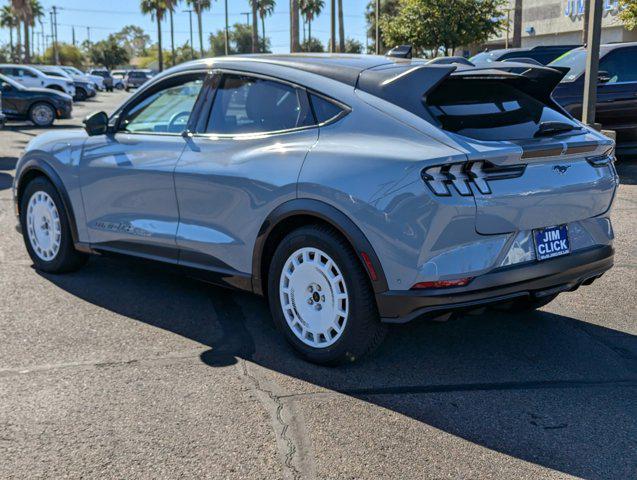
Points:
(351, 191)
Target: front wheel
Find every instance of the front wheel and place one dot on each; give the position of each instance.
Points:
(321, 298)
(46, 229)
(42, 114)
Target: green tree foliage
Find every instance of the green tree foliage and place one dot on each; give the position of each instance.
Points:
(312, 45)
(442, 24)
(239, 41)
(628, 13)
(353, 46)
(108, 53)
(134, 39)
(69, 55)
(388, 8)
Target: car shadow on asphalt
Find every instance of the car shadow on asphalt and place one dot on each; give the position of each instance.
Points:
(627, 170)
(545, 388)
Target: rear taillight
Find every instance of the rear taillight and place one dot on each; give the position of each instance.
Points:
(461, 177)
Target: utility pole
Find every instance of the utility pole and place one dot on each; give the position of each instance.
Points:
(333, 27)
(377, 12)
(73, 34)
(592, 62)
(172, 38)
(192, 48)
(54, 38)
(517, 24)
(247, 14)
(227, 35)
(341, 28)
(88, 34)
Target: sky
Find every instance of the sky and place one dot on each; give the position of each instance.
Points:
(104, 17)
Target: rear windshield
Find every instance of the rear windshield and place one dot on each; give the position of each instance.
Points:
(575, 61)
(489, 110)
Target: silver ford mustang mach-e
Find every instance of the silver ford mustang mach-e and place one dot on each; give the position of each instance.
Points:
(351, 191)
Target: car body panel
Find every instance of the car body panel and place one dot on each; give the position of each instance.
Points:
(128, 190)
(207, 201)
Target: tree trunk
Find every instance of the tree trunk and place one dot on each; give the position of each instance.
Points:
(263, 33)
(255, 28)
(11, 44)
(517, 25)
(27, 43)
(172, 38)
(309, 32)
(333, 26)
(341, 28)
(160, 54)
(294, 27)
(200, 33)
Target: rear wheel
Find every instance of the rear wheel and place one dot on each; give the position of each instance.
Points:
(321, 298)
(42, 114)
(46, 230)
(81, 94)
(526, 304)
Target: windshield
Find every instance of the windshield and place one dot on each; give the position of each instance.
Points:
(486, 57)
(11, 82)
(575, 61)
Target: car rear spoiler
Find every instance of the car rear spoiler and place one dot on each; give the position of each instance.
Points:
(408, 84)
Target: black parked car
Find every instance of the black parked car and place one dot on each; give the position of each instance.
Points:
(542, 54)
(616, 90)
(40, 105)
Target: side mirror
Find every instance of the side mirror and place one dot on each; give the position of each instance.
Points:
(603, 76)
(96, 124)
(6, 87)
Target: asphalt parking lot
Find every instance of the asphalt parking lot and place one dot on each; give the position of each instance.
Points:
(126, 371)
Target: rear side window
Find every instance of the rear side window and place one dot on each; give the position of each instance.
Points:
(245, 104)
(489, 110)
(324, 109)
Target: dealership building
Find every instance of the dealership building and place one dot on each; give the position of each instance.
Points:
(552, 22)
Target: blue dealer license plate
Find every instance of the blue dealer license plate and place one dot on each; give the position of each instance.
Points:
(551, 242)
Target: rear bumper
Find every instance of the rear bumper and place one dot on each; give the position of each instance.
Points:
(536, 279)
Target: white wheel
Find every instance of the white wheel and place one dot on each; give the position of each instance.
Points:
(314, 297)
(43, 226)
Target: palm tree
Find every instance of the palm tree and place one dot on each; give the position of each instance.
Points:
(199, 6)
(255, 31)
(266, 8)
(22, 9)
(9, 20)
(36, 14)
(157, 10)
(310, 9)
(294, 25)
(341, 28)
(171, 5)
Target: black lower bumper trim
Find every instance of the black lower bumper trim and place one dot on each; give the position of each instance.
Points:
(538, 279)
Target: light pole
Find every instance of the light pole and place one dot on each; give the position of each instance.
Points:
(227, 39)
(592, 62)
(192, 48)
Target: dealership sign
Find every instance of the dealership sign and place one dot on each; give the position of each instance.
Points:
(575, 8)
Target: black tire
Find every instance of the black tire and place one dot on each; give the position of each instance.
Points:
(526, 304)
(39, 120)
(80, 94)
(67, 258)
(362, 332)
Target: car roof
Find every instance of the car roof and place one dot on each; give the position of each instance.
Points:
(344, 68)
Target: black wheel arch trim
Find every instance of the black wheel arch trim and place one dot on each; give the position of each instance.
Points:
(44, 168)
(329, 214)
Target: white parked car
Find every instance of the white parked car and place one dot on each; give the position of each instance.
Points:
(33, 78)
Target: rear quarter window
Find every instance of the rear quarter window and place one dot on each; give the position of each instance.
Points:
(324, 109)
